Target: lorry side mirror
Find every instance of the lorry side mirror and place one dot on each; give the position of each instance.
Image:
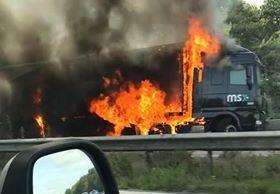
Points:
(249, 77)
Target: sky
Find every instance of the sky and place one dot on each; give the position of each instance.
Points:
(255, 2)
(55, 173)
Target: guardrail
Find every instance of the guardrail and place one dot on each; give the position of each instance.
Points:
(250, 141)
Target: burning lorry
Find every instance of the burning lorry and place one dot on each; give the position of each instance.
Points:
(227, 97)
(164, 89)
(202, 82)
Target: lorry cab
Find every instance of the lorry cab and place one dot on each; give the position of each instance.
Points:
(230, 98)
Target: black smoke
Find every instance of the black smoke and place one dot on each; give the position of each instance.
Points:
(67, 47)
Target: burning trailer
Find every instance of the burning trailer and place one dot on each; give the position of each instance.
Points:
(164, 89)
(145, 105)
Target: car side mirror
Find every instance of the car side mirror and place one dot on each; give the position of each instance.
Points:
(67, 167)
(249, 77)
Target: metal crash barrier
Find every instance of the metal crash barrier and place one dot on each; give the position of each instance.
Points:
(240, 141)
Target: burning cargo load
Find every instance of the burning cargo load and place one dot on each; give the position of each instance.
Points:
(143, 106)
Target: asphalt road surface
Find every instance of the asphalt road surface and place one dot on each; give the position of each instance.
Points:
(154, 192)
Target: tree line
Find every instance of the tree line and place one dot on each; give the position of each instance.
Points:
(258, 29)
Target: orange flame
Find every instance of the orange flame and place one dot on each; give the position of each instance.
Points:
(199, 42)
(41, 124)
(144, 105)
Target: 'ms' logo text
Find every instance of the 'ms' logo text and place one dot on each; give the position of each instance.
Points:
(238, 98)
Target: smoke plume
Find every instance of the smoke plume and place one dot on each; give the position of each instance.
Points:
(38, 30)
(79, 44)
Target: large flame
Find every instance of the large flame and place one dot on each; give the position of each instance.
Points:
(144, 105)
(199, 42)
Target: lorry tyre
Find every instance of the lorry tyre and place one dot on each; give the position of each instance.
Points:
(226, 125)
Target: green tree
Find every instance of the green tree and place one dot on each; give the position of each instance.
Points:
(87, 183)
(258, 29)
(270, 12)
(246, 24)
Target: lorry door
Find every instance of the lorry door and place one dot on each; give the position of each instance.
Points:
(214, 87)
(227, 87)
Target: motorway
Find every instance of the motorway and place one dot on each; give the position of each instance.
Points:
(153, 192)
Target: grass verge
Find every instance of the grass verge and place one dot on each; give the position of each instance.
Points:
(233, 173)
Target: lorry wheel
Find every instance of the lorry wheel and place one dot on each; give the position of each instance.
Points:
(225, 125)
(181, 129)
(160, 129)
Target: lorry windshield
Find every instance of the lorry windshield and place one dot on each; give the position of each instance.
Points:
(238, 76)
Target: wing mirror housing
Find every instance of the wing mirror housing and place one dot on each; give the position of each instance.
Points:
(249, 77)
(64, 167)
